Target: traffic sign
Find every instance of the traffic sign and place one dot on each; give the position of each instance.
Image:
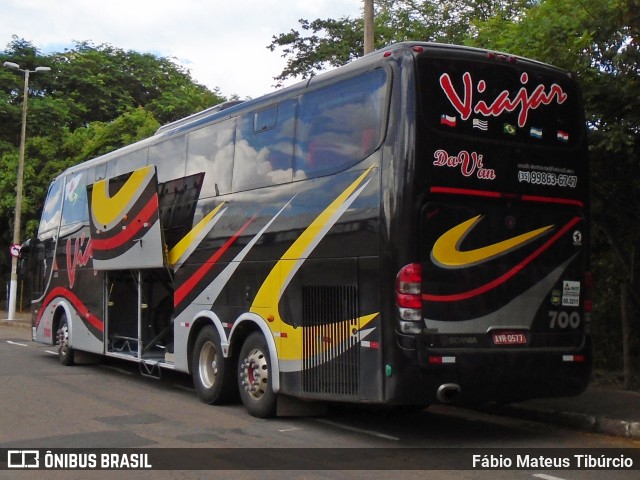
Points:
(14, 250)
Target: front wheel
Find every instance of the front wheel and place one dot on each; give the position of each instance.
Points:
(254, 377)
(66, 354)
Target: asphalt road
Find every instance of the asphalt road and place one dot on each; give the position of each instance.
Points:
(110, 405)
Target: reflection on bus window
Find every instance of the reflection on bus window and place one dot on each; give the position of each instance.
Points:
(211, 153)
(263, 157)
(74, 203)
(51, 211)
(339, 125)
(169, 157)
(127, 163)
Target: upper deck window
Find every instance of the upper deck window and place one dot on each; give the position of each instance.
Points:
(264, 147)
(340, 125)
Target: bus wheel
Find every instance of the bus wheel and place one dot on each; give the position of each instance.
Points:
(212, 377)
(65, 352)
(254, 377)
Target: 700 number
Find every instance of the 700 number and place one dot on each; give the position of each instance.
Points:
(564, 319)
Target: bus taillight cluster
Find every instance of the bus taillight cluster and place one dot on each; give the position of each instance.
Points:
(408, 298)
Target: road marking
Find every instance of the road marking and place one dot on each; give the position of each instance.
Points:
(16, 343)
(51, 352)
(292, 429)
(358, 430)
(544, 476)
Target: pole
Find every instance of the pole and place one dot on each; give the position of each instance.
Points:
(368, 27)
(13, 286)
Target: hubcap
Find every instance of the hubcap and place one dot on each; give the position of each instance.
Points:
(255, 374)
(208, 364)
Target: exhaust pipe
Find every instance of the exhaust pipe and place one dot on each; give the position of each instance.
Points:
(448, 392)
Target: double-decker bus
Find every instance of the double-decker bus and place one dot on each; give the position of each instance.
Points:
(410, 228)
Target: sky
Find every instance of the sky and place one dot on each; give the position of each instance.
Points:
(223, 43)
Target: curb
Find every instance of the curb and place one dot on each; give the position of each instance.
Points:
(15, 323)
(578, 421)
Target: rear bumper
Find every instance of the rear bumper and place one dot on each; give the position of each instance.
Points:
(501, 375)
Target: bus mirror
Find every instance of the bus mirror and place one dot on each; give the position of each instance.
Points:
(25, 252)
(27, 247)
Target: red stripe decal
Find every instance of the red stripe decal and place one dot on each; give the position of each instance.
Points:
(507, 275)
(465, 191)
(190, 284)
(562, 201)
(132, 228)
(82, 310)
(526, 198)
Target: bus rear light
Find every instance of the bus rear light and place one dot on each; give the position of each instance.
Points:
(409, 279)
(406, 300)
(408, 290)
(436, 360)
(573, 358)
(410, 314)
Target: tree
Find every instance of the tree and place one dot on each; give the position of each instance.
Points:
(104, 82)
(324, 43)
(94, 100)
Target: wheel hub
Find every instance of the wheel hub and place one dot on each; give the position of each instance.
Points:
(255, 373)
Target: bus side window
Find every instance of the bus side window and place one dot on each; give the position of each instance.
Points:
(170, 157)
(339, 125)
(264, 147)
(210, 154)
(127, 163)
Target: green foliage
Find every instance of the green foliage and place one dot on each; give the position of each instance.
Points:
(94, 100)
(99, 138)
(324, 43)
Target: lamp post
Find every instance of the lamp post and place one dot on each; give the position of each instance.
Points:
(369, 39)
(13, 287)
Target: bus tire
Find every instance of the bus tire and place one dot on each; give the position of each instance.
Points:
(66, 354)
(254, 377)
(212, 375)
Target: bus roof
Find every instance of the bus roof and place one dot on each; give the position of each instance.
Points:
(235, 107)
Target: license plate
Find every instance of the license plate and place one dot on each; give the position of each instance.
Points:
(509, 338)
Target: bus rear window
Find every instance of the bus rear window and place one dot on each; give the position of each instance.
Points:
(501, 101)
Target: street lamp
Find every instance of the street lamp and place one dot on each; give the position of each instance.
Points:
(13, 287)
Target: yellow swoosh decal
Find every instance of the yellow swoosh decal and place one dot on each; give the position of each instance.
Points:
(447, 254)
(268, 296)
(176, 252)
(107, 210)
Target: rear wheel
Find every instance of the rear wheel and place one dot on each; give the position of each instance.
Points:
(254, 377)
(212, 374)
(66, 354)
